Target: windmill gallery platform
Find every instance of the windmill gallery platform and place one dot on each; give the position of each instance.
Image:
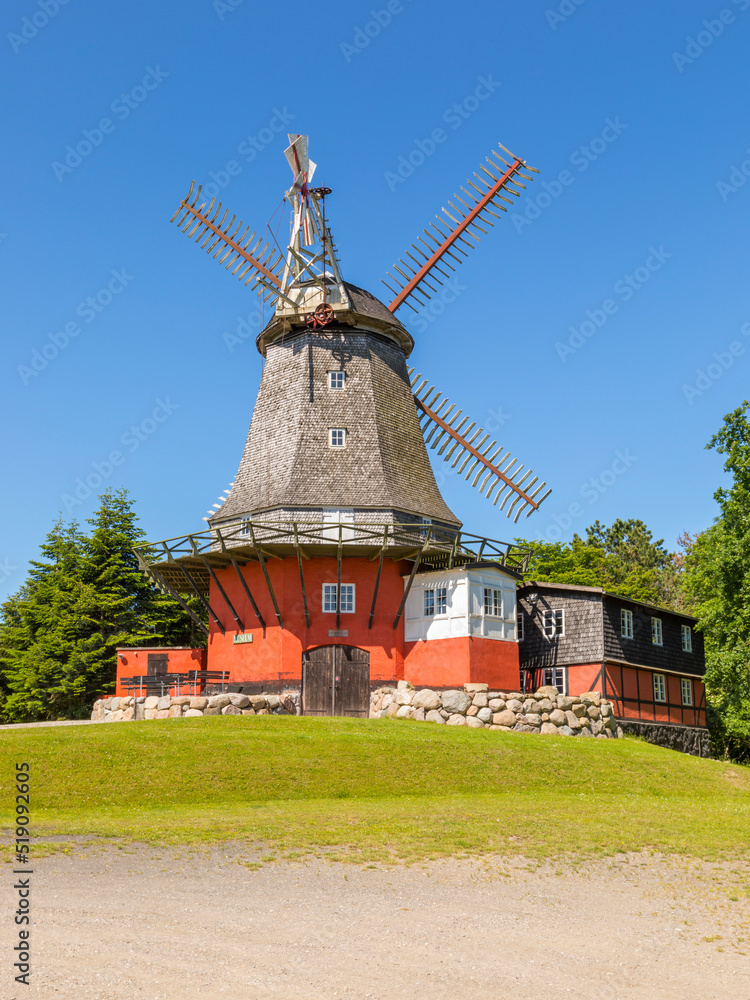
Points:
(333, 565)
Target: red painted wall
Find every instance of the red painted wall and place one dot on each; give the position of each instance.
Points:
(449, 663)
(632, 692)
(584, 677)
(134, 662)
(276, 655)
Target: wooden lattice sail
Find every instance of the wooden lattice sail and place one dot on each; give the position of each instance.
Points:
(474, 454)
(255, 262)
(446, 243)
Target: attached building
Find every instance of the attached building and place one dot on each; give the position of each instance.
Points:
(648, 661)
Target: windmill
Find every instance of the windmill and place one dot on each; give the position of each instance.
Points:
(333, 555)
(306, 281)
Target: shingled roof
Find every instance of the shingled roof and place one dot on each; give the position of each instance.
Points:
(287, 463)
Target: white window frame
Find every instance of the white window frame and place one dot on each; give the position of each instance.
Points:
(519, 627)
(553, 623)
(660, 687)
(428, 603)
(556, 677)
(493, 598)
(329, 598)
(441, 601)
(334, 377)
(626, 623)
(687, 639)
(657, 632)
(686, 688)
(333, 433)
(245, 523)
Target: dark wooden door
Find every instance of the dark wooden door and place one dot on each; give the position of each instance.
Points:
(158, 664)
(336, 681)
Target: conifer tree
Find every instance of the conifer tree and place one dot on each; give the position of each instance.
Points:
(83, 599)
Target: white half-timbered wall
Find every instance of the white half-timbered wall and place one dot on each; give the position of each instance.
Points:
(465, 612)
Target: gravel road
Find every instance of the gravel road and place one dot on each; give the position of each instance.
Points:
(166, 924)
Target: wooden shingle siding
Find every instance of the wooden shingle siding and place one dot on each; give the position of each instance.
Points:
(582, 642)
(287, 463)
(640, 649)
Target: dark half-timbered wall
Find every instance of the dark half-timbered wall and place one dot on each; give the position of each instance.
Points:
(640, 649)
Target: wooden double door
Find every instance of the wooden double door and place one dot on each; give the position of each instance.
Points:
(336, 681)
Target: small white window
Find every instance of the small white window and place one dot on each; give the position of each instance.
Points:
(519, 627)
(493, 602)
(442, 600)
(554, 623)
(337, 437)
(657, 635)
(429, 603)
(336, 380)
(245, 526)
(347, 598)
(687, 690)
(660, 688)
(687, 639)
(626, 623)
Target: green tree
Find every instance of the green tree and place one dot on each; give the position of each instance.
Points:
(718, 584)
(86, 597)
(623, 558)
(42, 629)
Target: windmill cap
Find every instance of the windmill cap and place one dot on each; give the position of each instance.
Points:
(365, 312)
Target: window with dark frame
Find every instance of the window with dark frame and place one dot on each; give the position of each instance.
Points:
(519, 627)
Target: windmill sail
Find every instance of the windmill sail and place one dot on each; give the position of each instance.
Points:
(472, 452)
(252, 261)
(446, 243)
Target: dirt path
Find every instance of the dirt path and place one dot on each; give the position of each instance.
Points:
(176, 925)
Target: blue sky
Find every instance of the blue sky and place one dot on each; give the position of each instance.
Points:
(642, 108)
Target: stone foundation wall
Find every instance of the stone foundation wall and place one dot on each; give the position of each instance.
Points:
(685, 739)
(546, 712)
(194, 707)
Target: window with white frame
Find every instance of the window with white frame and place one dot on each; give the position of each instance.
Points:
(660, 687)
(657, 634)
(519, 627)
(554, 623)
(245, 526)
(347, 598)
(686, 686)
(435, 602)
(626, 623)
(687, 639)
(336, 380)
(337, 437)
(493, 602)
(555, 677)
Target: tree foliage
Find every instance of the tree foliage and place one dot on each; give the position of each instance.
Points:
(82, 599)
(622, 558)
(717, 582)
